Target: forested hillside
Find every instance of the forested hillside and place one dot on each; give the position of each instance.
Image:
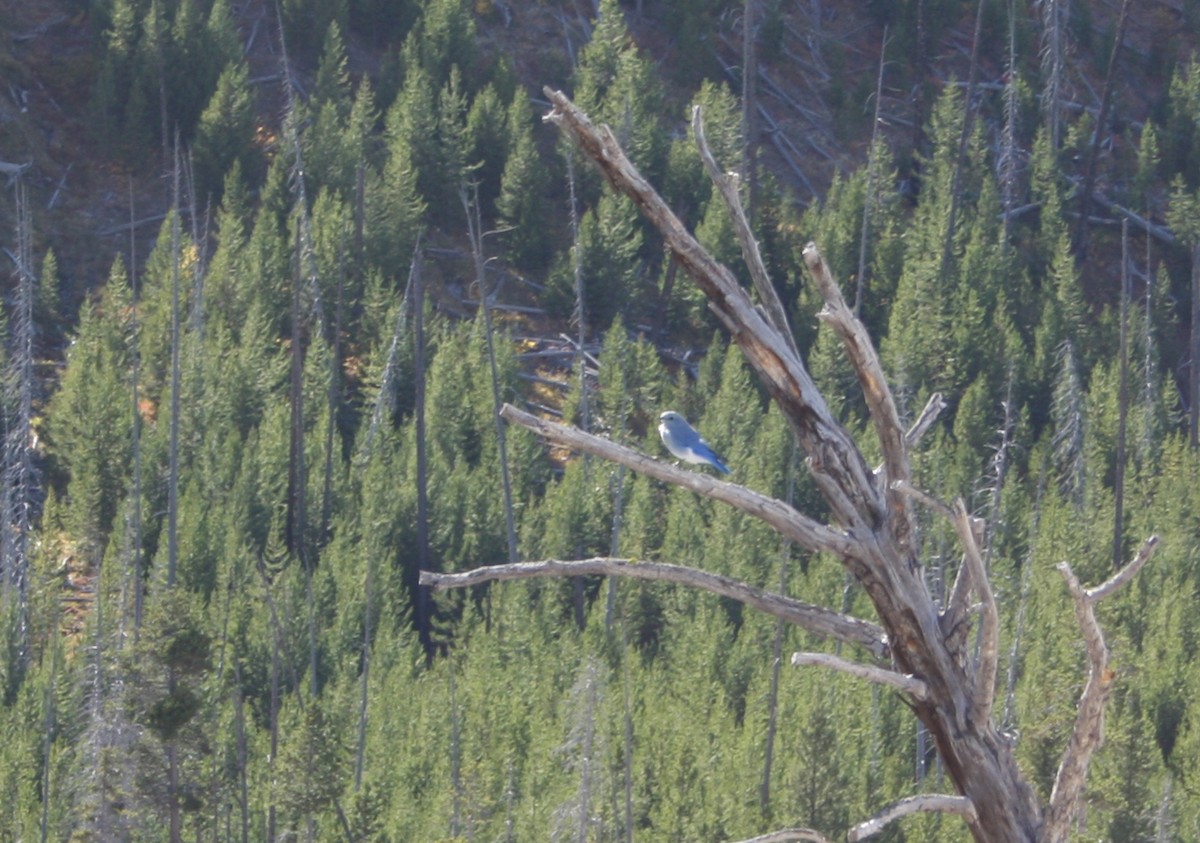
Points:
(273, 269)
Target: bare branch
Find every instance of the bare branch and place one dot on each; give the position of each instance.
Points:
(928, 500)
(971, 574)
(933, 408)
(1088, 734)
(863, 356)
(1124, 575)
(861, 352)
(815, 619)
(872, 542)
(908, 684)
(989, 649)
(832, 451)
(727, 186)
(801, 529)
(931, 802)
(805, 835)
(959, 602)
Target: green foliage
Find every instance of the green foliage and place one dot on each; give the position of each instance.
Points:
(442, 39)
(487, 134)
(521, 202)
(225, 131)
(159, 68)
(609, 242)
(305, 22)
(92, 416)
(521, 726)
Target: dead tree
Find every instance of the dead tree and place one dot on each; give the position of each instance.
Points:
(917, 649)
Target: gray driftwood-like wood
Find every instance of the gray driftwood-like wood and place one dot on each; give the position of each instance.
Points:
(952, 691)
(815, 619)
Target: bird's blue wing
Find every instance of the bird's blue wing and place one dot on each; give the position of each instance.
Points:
(701, 448)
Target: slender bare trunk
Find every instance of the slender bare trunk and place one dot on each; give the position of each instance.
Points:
(580, 318)
(176, 342)
(423, 603)
(135, 527)
(750, 105)
(869, 198)
(1118, 540)
(475, 232)
(1194, 349)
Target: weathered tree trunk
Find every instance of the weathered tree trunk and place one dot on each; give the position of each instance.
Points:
(1194, 349)
(873, 515)
(475, 235)
(924, 653)
(1118, 542)
(424, 606)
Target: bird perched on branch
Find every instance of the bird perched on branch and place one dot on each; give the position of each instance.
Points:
(684, 442)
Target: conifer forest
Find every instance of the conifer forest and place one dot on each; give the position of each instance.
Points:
(334, 340)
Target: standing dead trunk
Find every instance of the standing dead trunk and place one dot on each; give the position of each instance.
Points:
(424, 606)
(1122, 406)
(475, 234)
(1194, 352)
(750, 105)
(931, 661)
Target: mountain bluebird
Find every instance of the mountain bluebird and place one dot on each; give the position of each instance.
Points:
(684, 442)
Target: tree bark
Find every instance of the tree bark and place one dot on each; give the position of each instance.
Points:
(815, 619)
(977, 758)
(1194, 348)
(871, 538)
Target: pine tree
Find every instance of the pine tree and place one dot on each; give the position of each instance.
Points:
(88, 434)
(609, 241)
(487, 145)
(225, 132)
(918, 345)
(394, 209)
(328, 161)
(521, 203)
(444, 38)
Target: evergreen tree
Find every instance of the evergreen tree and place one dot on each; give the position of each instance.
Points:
(443, 38)
(521, 203)
(225, 133)
(487, 144)
(394, 210)
(918, 344)
(609, 242)
(89, 433)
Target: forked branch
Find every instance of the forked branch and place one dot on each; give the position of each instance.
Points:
(1088, 734)
(861, 351)
(873, 541)
(816, 619)
(834, 457)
